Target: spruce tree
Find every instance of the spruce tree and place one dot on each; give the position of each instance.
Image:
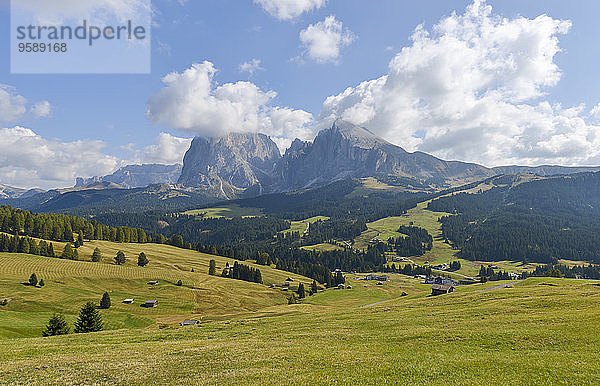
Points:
(105, 302)
(142, 260)
(67, 252)
(33, 280)
(97, 255)
(212, 267)
(313, 287)
(57, 325)
(51, 250)
(89, 319)
(301, 291)
(120, 258)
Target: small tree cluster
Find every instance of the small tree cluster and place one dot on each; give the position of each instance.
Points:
(243, 272)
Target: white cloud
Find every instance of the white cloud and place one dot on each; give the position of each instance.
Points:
(58, 11)
(192, 102)
(324, 40)
(168, 150)
(13, 107)
(473, 89)
(289, 9)
(41, 109)
(595, 112)
(29, 160)
(251, 66)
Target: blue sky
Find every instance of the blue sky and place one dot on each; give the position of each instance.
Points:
(227, 33)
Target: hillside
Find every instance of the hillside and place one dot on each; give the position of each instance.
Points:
(69, 284)
(540, 331)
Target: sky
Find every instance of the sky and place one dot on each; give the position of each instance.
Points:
(493, 82)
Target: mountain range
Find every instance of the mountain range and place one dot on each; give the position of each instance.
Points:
(242, 165)
(251, 164)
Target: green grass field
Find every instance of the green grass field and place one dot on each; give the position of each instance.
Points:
(69, 284)
(540, 331)
(228, 211)
(322, 247)
(302, 226)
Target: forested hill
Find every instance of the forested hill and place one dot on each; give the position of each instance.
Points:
(538, 221)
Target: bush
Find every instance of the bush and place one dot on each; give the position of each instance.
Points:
(179, 283)
(57, 325)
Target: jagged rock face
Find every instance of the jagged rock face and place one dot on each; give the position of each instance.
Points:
(235, 161)
(346, 150)
(251, 163)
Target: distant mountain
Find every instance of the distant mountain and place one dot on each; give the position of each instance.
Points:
(104, 198)
(137, 176)
(12, 192)
(231, 164)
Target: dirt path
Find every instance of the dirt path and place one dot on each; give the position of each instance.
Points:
(500, 286)
(374, 304)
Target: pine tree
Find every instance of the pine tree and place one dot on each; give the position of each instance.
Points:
(301, 292)
(67, 252)
(79, 241)
(33, 280)
(89, 319)
(313, 287)
(212, 268)
(97, 255)
(105, 302)
(120, 258)
(142, 260)
(57, 325)
(51, 250)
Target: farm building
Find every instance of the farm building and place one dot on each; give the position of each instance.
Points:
(440, 289)
(377, 277)
(188, 322)
(128, 301)
(153, 282)
(4, 301)
(150, 303)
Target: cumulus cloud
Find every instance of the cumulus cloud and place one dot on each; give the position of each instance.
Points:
(472, 88)
(595, 112)
(14, 107)
(324, 40)
(168, 150)
(191, 101)
(289, 9)
(29, 160)
(251, 66)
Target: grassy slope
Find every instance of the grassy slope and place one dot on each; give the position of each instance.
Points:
(228, 211)
(69, 284)
(301, 226)
(533, 333)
